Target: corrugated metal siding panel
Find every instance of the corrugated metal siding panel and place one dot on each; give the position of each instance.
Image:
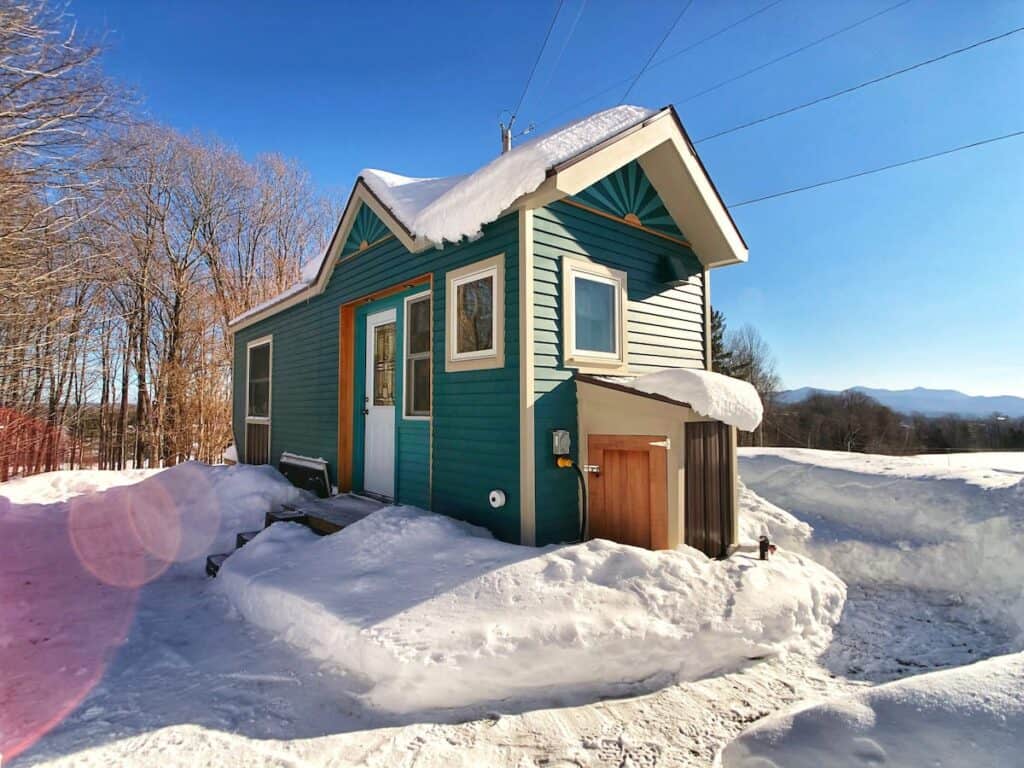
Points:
(665, 329)
(475, 412)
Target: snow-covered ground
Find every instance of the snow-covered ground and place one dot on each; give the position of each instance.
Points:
(148, 663)
(469, 620)
(931, 549)
(968, 716)
(906, 521)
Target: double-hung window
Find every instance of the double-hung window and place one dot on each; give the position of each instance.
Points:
(594, 316)
(418, 320)
(476, 316)
(257, 400)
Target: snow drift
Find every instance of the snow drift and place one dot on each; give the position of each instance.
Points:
(129, 527)
(429, 613)
(900, 520)
(968, 716)
(710, 394)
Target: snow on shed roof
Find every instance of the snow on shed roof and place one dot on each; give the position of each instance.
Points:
(723, 398)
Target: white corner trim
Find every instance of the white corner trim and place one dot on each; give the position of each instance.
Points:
(708, 358)
(527, 428)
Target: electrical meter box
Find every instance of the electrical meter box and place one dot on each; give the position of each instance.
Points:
(561, 443)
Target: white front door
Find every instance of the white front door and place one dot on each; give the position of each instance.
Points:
(379, 409)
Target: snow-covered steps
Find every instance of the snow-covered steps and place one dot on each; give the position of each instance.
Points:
(322, 516)
(214, 562)
(284, 514)
(327, 516)
(244, 538)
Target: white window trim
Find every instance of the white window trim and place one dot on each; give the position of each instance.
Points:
(584, 360)
(405, 357)
(494, 357)
(270, 400)
(269, 340)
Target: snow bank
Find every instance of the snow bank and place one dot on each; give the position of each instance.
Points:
(449, 209)
(968, 716)
(129, 527)
(427, 612)
(52, 487)
(898, 520)
(710, 394)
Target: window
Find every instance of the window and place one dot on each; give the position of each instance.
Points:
(417, 355)
(593, 312)
(258, 401)
(476, 316)
(258, 365)
(384, 364)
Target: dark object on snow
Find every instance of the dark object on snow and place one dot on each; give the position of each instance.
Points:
(305, 473)
(244, 538)
(763, 546)
(214, 562)
(286, 514)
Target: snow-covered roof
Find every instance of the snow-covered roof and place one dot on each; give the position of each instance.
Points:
(434, 211)
(723, 398)
(448, 209)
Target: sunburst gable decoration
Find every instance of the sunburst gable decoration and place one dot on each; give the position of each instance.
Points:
(629, 195)
(366, 230)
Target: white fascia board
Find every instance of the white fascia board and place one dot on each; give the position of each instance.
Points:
(673, 168)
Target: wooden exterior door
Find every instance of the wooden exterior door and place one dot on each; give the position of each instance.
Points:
(629, 495)
(709, 487)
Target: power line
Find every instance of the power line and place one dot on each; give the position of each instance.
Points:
(870, 171)
(612, 86)
(540, 53)
(565, 43)
(715, 34)
(654, 53)
(795, 51)
(857, 87)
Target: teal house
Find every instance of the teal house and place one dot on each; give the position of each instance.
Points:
(470, 344)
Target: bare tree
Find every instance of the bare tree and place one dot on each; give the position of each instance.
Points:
(125, 248)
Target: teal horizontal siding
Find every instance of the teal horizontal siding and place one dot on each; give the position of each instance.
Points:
(665, 327)
(475, 413)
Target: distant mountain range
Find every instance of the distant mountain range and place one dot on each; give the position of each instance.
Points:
(930, 402)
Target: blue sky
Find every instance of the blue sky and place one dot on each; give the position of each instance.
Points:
(911, 277)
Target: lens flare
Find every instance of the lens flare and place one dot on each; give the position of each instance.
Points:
(104, 536)
(180, 519)
(60, 625)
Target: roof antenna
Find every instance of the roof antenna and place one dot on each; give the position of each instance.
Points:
(506, 133)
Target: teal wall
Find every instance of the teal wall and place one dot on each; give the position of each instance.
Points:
(475, 422)
(665, 327)
(412, 436)
(475, 413)
(629, 191)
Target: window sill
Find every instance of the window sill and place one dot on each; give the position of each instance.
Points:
(597, 365)
(474, 364)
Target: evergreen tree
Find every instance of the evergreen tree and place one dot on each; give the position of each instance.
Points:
(721, 358)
